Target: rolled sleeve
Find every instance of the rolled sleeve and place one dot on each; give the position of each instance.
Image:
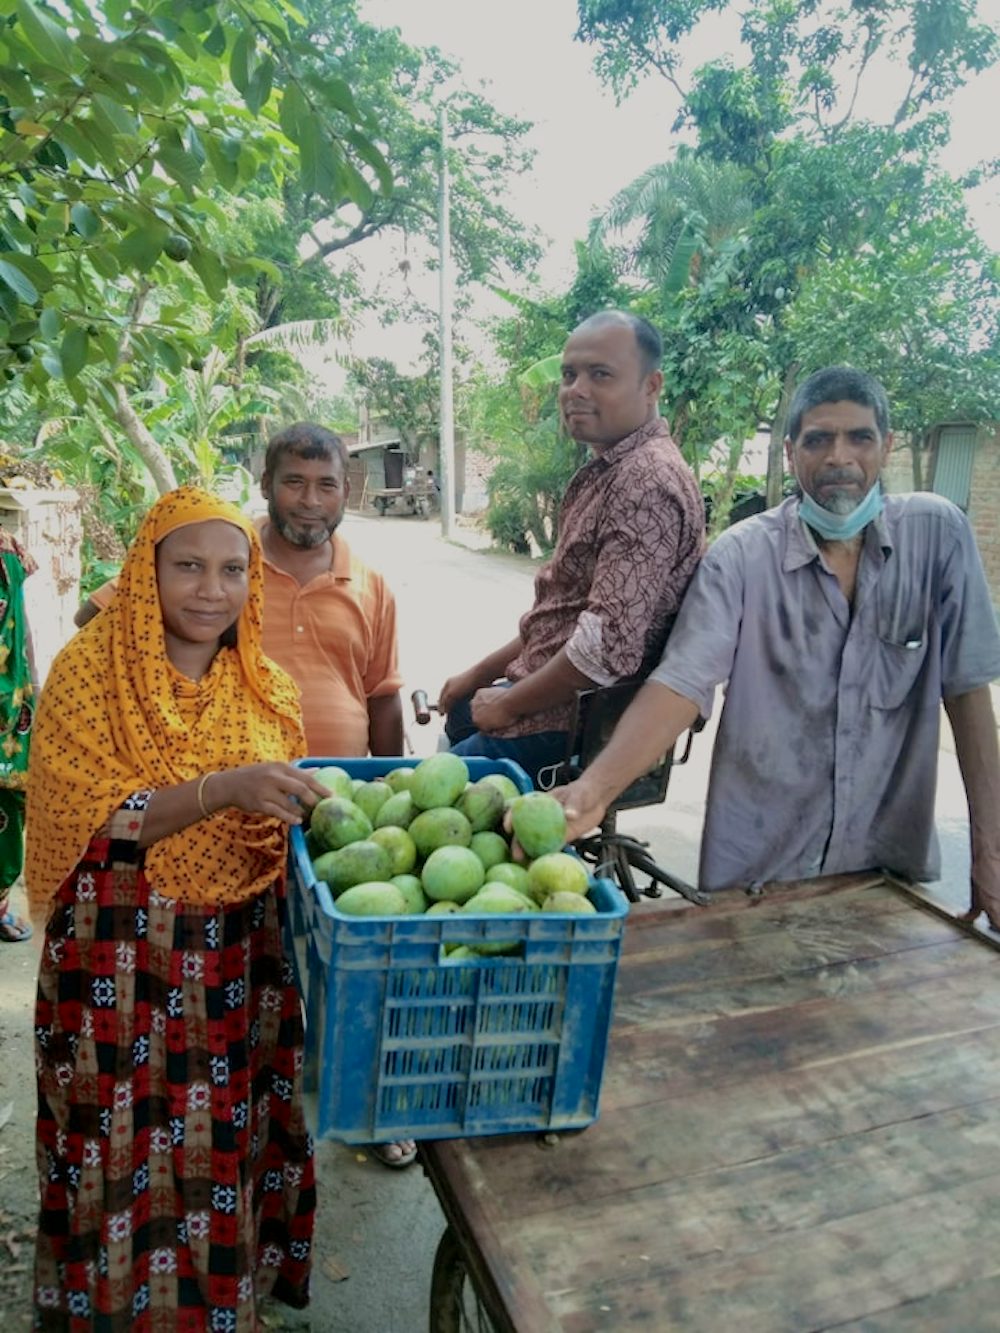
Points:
(702, 646)
(585, 649)
(970, 642)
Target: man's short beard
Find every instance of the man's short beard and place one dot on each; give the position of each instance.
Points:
(305, 539)
(840, 502)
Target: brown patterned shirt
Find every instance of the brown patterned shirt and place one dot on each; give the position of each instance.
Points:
(631, 531)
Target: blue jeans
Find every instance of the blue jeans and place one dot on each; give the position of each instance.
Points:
(533, 753)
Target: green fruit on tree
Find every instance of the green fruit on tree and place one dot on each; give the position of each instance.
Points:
(24, 353)
(454, 873)
(444, 827)
(539, 823)
(177, 247)
(438, 780)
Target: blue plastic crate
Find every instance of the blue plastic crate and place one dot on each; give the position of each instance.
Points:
(402, 1042)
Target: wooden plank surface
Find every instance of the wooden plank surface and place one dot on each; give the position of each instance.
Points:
(800, 1130)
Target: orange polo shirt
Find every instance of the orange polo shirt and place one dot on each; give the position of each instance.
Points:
(336, 637)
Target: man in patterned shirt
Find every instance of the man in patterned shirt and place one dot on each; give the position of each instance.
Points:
(840, 622)
(631, 531)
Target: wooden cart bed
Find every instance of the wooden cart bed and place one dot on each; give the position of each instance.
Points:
(800, 1130)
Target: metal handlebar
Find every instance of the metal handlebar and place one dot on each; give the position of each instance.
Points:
(422, 707)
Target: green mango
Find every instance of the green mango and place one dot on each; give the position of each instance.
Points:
(372, 899)
(455, 873)
(539, 823)
(444, 827)
(336, 822)
(438, 780)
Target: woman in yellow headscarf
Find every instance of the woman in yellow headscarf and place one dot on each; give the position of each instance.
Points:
(176, 1172)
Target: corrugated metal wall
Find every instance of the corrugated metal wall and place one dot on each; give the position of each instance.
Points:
(953, 467)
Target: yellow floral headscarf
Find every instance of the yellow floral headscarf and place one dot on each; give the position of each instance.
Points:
(116, 717)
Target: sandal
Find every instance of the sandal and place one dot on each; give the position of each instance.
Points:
(13, 930)
(394, 1155)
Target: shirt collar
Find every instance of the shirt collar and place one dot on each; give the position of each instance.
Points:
(800, 544)
(649, 430)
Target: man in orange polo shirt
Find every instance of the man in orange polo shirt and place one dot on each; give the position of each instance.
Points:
(328, 619)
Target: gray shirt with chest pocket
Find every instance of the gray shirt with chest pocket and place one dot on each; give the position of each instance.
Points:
(827, 750)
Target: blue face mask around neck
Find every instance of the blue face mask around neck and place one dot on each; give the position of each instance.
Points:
(841, 527)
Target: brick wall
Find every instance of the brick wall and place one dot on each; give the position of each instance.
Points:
(984, 494)
(897, 476)
(984, 504)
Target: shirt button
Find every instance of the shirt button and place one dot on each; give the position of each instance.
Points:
(300, 629)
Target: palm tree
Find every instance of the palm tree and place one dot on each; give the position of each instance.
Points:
(684, 209)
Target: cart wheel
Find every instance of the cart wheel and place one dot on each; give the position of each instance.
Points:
(455, 1304)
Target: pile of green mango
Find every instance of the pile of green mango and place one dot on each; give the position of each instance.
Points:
(426, 839)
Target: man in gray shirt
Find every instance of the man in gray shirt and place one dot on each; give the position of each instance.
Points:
(840, 620)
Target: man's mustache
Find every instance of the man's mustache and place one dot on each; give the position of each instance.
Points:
(834, 476)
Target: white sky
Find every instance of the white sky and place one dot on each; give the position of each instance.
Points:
(587, 148)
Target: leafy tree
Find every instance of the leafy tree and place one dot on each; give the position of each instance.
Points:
(926, 315)
(399, 88)
(681, 209)
(177, 184)
(410, 402)
(826, 190)
(121, 125)
(803, 62)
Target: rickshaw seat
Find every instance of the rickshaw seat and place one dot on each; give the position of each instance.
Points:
(618, 855)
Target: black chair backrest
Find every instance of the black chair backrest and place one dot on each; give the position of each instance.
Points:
(597, 714)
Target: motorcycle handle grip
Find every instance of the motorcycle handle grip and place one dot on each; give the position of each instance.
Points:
(421, 707)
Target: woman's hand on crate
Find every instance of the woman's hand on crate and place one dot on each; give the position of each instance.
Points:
(279, 790)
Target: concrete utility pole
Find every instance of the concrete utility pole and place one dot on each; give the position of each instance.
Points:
(447, 424)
